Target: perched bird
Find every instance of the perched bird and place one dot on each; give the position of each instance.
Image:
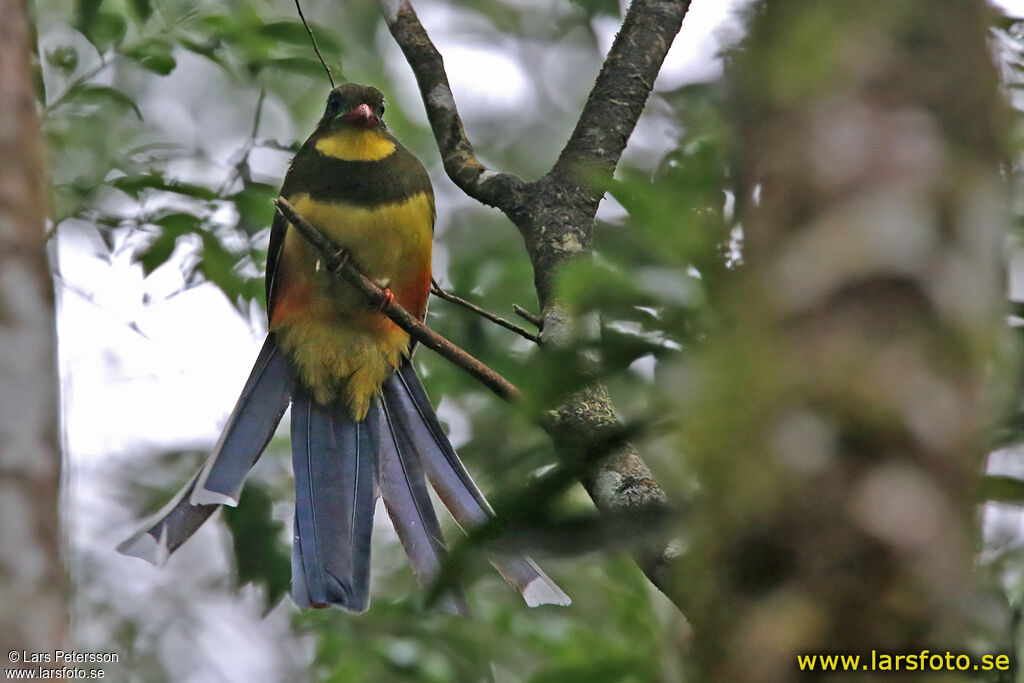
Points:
(361, 423)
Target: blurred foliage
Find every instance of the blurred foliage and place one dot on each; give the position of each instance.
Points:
(260, 556)
(1003, 486)
(403, 643)
(169, 124)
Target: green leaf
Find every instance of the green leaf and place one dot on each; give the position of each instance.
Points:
(206, 49)
(286, 32)
(155, 56)
(159, 250)
(594, 8)
(998, 488)
(219, 266)
(219, 25)
(586, 285)
(179, 223)
(135, 184)
(619, 349)
(157, 253)
(298, 65)
(255, 209)
(105, 95)
(142, 8)
(86, 12)
(605, 667)
(106, 29)
(64, 58)
(294, 33)
(260, 556)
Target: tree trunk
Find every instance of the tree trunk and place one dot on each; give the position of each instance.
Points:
(32, 582)
(838, 435)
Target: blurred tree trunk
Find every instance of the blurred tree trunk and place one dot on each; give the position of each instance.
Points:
(838, 435)
(32, 582)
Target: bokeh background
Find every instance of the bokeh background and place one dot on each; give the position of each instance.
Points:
(170, 125)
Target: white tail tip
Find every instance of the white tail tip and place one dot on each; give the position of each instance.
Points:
(543, 591)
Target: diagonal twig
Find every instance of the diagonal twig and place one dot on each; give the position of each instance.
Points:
(241, 167)
(336, 260)
(531, 318)
(436, 290)
(312, 39)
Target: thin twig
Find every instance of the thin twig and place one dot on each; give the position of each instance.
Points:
(312, 39)
(105, 61)
(532, 318)
(436, 290)
(259, 114)
(277, 145)
(337, 261)
(77, 83)
(241, 168)
(89, 297)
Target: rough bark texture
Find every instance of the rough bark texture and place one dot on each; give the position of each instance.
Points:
(555, 215)
(32, 581)
(836, 513)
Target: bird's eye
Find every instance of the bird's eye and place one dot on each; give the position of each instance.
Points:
(333, 105)
(382, 109)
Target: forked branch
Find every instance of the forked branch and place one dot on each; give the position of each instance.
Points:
(440, 293)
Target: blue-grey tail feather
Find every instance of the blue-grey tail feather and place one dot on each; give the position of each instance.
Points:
(405, 397)
(161, 534)
(300, 590)
(335, 464)
(442, 464)
(404, 490)
(336, 467)
(250, 427)
(248, 430)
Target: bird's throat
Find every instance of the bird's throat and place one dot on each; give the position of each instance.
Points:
(356, 144)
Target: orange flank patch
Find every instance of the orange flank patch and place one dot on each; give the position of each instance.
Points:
(292, 302)
(341, 348)
(416, 294)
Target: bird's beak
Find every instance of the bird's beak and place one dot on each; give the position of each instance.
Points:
(361, 115)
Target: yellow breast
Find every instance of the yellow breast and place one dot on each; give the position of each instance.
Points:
(385, 241)
(339, 345)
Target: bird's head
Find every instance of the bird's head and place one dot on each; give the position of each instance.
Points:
(353, 106)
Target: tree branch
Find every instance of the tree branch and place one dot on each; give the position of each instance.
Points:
(560, 223)
(556, 218)
(531, 318)
(336, 260)
(621, 90)
(500, 190)
(436, 290)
